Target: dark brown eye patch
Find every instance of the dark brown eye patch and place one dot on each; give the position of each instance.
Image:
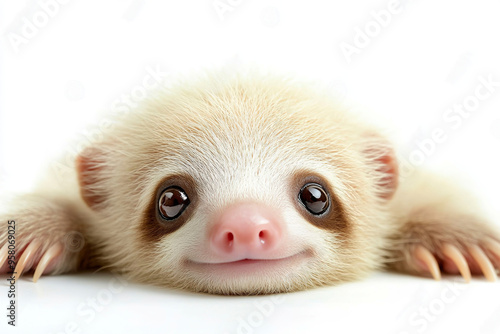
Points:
(170, 207)
(314, 198)
(172, 203)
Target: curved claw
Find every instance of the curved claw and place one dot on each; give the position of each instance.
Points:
(426, 257)
(27, 257)
(458, 259)
(51, 254)
(3, 254)
(484, 263)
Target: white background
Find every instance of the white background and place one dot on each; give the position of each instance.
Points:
(59, 72)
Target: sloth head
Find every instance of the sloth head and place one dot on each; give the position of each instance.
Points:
(239, 185)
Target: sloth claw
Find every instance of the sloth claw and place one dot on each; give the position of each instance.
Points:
(51, 254)
(37, 256)
(484, 262)
(458, 259)
(475, 257)
(425, 256)
(27, 258)
(3, 255)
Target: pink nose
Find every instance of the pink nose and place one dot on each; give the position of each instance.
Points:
(246, 231)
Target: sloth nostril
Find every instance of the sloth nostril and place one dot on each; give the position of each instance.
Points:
(230, 238)
(262, 236)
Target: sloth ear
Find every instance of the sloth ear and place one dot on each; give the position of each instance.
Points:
(383, 164)
(90, 167)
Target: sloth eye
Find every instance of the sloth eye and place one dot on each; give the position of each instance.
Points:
(314, 197)
(173, 201)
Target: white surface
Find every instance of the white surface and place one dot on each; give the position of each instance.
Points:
(92, 54)
(383, 303)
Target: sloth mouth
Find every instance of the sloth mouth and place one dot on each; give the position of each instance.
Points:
(249, 265)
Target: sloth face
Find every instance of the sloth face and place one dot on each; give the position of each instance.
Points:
(238, 189)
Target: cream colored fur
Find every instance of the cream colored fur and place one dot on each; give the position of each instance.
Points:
(240, 137)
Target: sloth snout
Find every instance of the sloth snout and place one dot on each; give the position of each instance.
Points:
(246, 231)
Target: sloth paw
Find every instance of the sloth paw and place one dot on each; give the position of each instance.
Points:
(476, 259)
(434, 243)
(38, 256)
(43, 236)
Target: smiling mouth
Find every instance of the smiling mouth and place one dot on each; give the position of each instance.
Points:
(250, 266)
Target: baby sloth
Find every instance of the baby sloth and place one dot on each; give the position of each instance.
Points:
(246, 184)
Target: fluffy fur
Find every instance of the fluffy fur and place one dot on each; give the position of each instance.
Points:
(240, 137)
